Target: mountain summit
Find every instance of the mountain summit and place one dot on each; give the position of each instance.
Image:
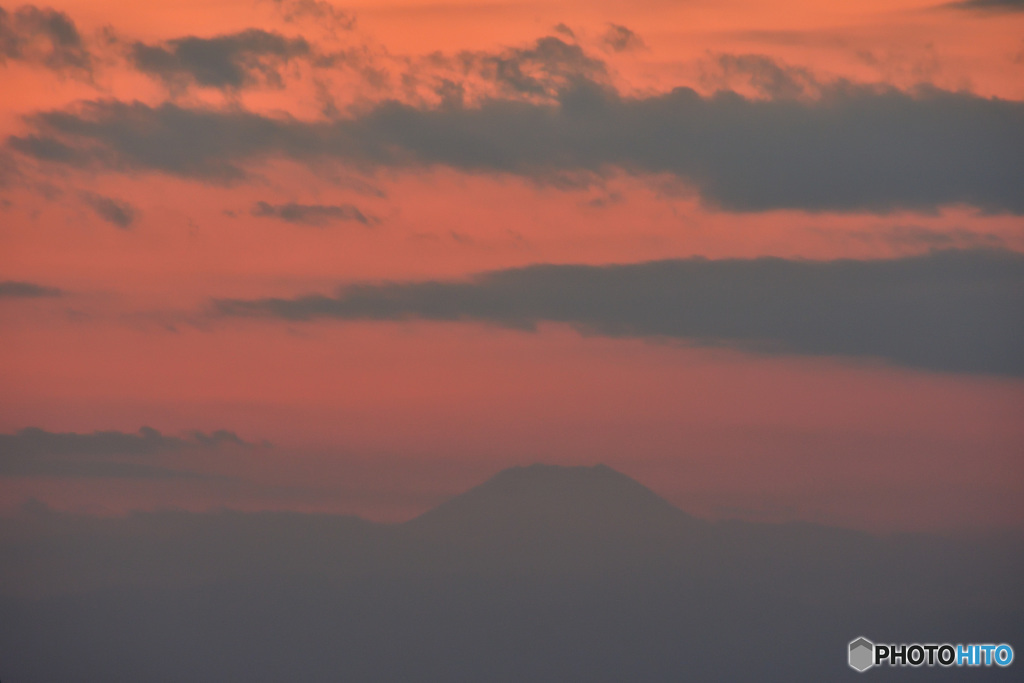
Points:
(594, 500)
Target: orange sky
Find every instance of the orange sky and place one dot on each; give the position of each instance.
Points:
(387, 418)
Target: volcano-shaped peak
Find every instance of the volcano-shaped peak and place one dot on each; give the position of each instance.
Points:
(597, 480)
(554, 496)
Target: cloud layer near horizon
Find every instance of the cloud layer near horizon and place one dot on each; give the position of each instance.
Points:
(960, 311)
(37, 452)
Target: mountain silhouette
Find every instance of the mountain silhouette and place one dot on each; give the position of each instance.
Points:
(533, 498)
(542, 573)
(551, 520)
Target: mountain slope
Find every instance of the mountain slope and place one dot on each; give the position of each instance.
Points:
(580, 499)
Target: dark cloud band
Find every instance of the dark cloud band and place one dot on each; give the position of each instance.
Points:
(989, 5)
(854, 149)
(960, 311)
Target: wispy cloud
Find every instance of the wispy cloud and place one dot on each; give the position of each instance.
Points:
(43, 36)
(618, 38)
(231, 61)
(37, 452)
(311, 214)
(119, 213)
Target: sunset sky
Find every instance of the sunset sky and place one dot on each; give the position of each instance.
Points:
(765, 258)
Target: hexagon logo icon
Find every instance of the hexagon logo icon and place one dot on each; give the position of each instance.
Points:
(862, 654)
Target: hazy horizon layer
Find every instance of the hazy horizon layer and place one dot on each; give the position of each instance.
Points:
(539, 573)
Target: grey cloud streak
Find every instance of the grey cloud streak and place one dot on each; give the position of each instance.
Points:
(959, 311)
(989, 5)
(323, 13)
(119, 213)
(227, 61)
(854, 149)
(311, 214)
(12, 289)
(37, 452)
